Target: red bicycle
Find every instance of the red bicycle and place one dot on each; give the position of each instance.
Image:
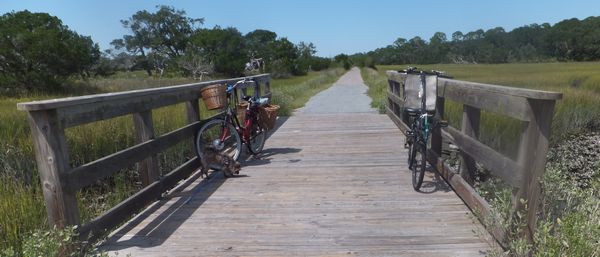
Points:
(223, 133)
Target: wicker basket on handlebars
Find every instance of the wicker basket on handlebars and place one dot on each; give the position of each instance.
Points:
(267, 116)
(214, 96)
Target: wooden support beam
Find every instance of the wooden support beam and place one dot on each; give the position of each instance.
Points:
(532, 159)
(470, 127)
(148, 168)
(436, 134)
(52, 156)
(498, 164)
(89, 173)
(193, 115)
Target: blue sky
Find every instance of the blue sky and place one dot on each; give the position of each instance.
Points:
(335, 27)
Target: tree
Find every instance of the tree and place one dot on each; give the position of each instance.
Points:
(224, 48)
(400, 42)
(568, 40)
(165, 33)
(38, 52)
(343, 60)
(457, 36)
(260, 42)
(195, 63)
(305, 55)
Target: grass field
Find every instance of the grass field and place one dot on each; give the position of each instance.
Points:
(568, 223)
(21, 202)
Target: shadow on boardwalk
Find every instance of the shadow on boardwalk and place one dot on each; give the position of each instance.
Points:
(164, 225)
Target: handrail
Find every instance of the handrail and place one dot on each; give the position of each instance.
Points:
(109, 97)
(534, 108)
(48, 120)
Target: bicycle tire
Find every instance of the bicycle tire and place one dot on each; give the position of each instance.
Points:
(211, 131)
(419, 164)
(258, 136)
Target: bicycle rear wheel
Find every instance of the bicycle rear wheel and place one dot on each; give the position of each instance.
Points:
(258, 135)
(418, 164)
(219, 135)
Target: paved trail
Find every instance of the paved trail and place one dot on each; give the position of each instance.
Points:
(347, 95)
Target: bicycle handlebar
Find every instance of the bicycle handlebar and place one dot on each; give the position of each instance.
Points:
(415, 70)
(235, 85)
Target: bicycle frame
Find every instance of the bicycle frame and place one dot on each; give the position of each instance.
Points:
(245, 129)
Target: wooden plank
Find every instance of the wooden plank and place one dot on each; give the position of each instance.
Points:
(97, 227)
(52, 157)
(493, 89)
(396, 76)
(96, 111)
(129, 95)
(470, 127)
(497, 163)
(280, 206)
(89, 173)
(148, 168)
(532, 159)
(500, 90)
(396, 99)
(509, 105)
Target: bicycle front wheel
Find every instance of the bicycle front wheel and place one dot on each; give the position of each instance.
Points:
(418, 164)
(219, 135)
(411, 150)
(258, 135)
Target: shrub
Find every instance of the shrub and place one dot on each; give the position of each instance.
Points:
(38, 52)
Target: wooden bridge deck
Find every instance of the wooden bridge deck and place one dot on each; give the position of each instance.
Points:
(327, 185)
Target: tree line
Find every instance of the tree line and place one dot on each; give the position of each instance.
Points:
(568, 40)
(38, 52)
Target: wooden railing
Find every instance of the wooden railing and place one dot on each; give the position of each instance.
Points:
(48, 120)
(533, 108)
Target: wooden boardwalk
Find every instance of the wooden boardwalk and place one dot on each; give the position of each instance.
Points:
(326, 185)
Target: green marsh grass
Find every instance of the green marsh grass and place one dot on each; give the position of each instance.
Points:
(22, 209)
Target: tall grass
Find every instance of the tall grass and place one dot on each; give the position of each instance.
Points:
(22, 208)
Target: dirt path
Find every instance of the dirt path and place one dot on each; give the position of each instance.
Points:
(347, 95)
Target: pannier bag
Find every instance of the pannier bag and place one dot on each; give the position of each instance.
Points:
(413, 92)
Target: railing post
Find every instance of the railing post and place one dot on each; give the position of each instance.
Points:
(532, 159)
(193, 111)
(193, 115)
(256, 89)
(267, 87)
(148, 168)
(436, 136)
(470, 127)
(52, 156)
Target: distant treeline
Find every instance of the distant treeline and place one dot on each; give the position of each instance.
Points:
(568, 40)
(38, 52)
